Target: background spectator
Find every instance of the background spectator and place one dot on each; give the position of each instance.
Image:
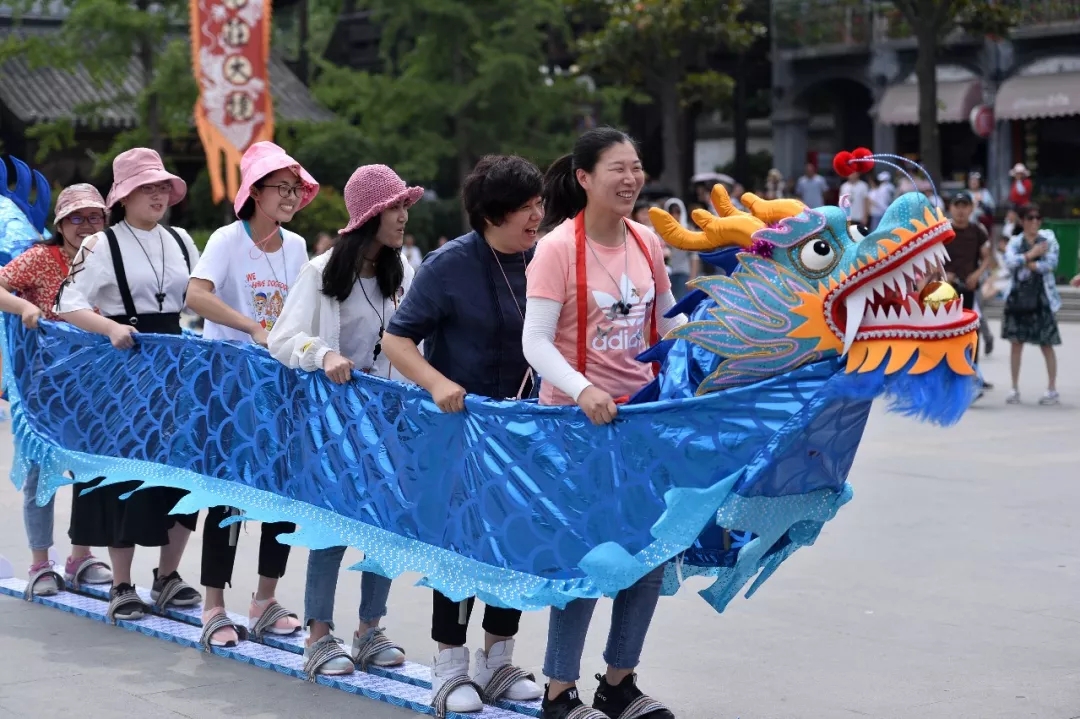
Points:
(1020, 189)
(324, 242)
(858, 192)
(774, 185)
(811, 187)
(983, 202)
(412, 253)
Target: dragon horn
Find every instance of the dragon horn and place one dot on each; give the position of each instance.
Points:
(675, 234)
(772, 211)
(722, 202)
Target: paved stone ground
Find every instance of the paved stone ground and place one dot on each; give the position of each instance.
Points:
(949, 589)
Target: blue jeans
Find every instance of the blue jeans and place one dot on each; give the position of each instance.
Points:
(322, 575)
(38, 520)
(630, 618)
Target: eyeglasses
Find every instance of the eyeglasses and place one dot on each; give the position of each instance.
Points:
(92, 219)
(285, 191)
(1032, 217)
(160, 188)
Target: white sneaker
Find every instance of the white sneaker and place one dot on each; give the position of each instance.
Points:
(501, 655)
(450, 663)
(1050, 398)
(386, 655)
(1014, 397)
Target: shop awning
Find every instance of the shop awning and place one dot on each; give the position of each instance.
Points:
(900, 103)
(1024, 97)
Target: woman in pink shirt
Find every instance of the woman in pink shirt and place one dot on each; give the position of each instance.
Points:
(597, 293)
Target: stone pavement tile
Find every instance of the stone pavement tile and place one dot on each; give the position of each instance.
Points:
(258, 693)
(45, 698)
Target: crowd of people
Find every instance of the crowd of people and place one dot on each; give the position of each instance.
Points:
(479, 315)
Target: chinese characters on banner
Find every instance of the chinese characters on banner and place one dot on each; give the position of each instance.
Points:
(230, 54)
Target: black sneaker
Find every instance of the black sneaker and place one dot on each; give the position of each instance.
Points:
(567, 705)
(124, 603)
(180, 595)
(626, 699)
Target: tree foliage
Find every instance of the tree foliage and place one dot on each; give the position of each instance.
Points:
(658, 49)
(136, 55)
(931, 21)
(462, 79)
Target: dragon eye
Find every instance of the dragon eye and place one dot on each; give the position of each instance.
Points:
(817, 255)
(858, 232)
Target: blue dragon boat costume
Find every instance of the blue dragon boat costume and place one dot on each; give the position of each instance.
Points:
(733, 458)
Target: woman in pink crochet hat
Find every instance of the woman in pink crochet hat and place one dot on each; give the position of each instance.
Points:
(254, 256)
(131, 278)
(36, 275)
(333, 320)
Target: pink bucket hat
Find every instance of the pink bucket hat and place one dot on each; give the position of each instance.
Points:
(263, 158)
(142, 166)
(373, 188)
(82, 196)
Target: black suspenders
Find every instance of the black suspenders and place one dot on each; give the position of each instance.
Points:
(121, 275)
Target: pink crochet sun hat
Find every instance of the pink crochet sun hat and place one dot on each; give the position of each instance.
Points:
(82, 196)
(373, 188)
(142, 166)
(263, 158)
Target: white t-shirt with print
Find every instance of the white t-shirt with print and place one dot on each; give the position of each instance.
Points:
(858, 191)
(252, 282)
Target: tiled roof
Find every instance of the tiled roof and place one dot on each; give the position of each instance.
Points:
(46, 94)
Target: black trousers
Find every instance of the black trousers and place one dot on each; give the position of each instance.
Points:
(218, 557)
(446, 627)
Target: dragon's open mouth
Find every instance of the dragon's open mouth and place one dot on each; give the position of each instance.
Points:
(890, 297)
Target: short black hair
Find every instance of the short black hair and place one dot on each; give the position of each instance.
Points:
(497, 186)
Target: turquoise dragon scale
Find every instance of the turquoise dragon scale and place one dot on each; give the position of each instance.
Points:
(733, 458)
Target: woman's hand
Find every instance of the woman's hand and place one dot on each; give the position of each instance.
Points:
(449, 396)
(598, 405)
(121, 336)
(338, 368)
(261, 337)
(30, 317)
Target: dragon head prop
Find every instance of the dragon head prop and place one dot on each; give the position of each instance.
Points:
(22, 221)
(811, 285)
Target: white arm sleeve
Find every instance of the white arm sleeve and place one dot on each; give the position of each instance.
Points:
(664, 324)
(538, 344)
(294, 340)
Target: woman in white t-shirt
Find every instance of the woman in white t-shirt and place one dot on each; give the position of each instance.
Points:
(239, 288)
(334, 320)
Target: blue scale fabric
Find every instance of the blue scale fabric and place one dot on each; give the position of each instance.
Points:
(520, 505)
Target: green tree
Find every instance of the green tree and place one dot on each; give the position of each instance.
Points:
(105, 37)
(462, 79)
(930, 22)
(658, 49)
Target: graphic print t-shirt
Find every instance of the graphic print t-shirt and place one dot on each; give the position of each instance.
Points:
(245, 278)
(612, 339)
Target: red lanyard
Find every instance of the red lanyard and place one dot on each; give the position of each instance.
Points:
(583, 290)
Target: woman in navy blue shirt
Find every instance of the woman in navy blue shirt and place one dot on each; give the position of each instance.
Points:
(467, 305)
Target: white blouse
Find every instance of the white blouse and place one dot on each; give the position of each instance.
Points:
(311, 323)
(152, 260)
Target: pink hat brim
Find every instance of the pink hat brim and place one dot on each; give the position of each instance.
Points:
(147, 177)
(411, 195)
(270, 164)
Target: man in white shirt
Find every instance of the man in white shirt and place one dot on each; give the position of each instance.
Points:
(412, 253)
(858, 192)
(811, 187)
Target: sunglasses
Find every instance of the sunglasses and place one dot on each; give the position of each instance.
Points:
(92, 219)
(1032, 217)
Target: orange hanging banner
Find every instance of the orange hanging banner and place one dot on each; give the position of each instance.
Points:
(230, 55)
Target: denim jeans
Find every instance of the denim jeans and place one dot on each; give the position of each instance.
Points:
(322, 575)
(38, 520)
(630, 617)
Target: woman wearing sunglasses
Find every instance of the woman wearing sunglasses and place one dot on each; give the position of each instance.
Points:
(334, 320)
(36, 275)
(239, 287)
(1033, 300)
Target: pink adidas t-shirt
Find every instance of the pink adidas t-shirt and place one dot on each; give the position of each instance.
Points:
(612, 340)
